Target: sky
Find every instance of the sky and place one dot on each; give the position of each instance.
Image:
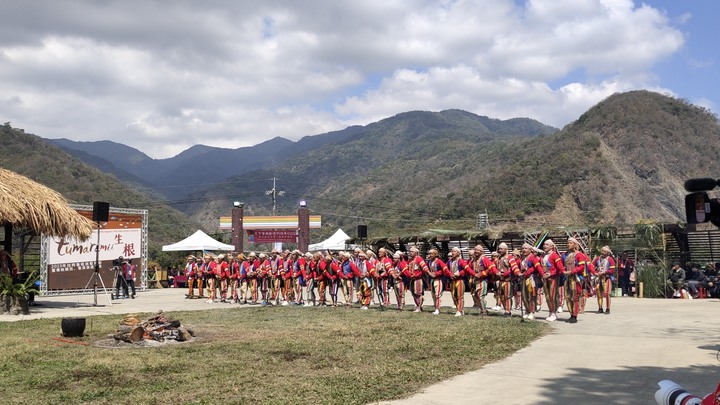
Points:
(162, 76)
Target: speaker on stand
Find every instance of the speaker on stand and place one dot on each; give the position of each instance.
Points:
(362, 234)
(101, 213)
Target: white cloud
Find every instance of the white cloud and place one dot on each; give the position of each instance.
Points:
(165, 76)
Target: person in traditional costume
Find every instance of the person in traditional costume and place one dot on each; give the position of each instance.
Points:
(208, 269)
(531, 270)
(554, 269)
(482, 271)
(309, 279)
(399, 266)
(331, 269)
(507, 270)
(191, 272)
(576, 263)
(456, 272)
(348, 270)
(263, 277)
(436, 271)
(605, 268)
(414, 272)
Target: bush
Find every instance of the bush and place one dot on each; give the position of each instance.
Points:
(653, 276)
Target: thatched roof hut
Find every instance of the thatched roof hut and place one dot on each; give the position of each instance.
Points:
(25, 203)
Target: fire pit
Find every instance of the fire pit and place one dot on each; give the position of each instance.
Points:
(154, 331)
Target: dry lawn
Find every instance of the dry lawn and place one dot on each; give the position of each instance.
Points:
(279, 355)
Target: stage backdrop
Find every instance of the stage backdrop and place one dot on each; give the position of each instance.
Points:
(69, 264)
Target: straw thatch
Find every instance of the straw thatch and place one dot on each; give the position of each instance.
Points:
(25, 203)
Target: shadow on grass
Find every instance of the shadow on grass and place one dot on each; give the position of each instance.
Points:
(628, 385)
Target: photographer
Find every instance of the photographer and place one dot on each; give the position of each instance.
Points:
(118, 268)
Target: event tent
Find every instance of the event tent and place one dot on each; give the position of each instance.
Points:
(198, 241)
(335, 242)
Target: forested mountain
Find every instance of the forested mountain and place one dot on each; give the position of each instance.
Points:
(49, 165)
(410, 171)
(623, 161)
(197, 165)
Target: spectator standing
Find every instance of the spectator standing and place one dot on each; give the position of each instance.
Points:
(129, 272)
(625, 268)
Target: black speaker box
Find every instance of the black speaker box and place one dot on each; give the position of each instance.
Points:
(101, 211)
(362, 231)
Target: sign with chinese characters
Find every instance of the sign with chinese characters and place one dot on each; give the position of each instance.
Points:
(270, 236)
(70, 263)
(270, 222)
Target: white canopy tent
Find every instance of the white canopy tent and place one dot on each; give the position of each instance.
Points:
(198, 241)
(335, 242)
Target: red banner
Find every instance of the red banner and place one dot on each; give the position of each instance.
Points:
(270, 236)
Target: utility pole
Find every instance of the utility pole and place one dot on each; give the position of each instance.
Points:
(274, 193)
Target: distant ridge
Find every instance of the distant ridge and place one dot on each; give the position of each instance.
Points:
(622, 161)
(47, 164)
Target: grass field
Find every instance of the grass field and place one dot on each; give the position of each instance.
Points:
(278, 355)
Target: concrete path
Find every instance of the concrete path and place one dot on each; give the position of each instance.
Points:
(603, 359)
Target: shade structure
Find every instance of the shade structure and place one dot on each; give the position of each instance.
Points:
(28, 204)
(198, 241)
(335, 242)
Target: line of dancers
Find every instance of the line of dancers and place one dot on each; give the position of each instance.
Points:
(519, 279)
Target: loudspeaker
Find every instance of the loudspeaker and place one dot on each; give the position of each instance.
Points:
(362, 231)
(101, 211)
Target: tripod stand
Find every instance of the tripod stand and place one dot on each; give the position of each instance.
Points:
(96, 274)
(119, 282)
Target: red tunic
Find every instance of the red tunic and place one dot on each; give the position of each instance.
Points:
(416, 267)
(609, 271)
(298, 267)
(234, 270)
(224, 270)
(264, 270)
(309, 271)
(437, 268)
(209, 268)
(581, 260)
(456, 268)
(553, 264)
(190, 270)
(287, 269)
(482, 268)
(509, 267)
(353, 269)
(400, 269)
(383, 268)
(330, 271)
(532, 264)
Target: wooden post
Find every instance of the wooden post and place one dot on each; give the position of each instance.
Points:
(237, 227)
(640, 290)
(303, 228)
(7, 244)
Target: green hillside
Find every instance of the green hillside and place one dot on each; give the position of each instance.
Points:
(47, 164)
(622, 161)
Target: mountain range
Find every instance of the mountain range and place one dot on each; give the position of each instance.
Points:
(80, 183)
(622, 161)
